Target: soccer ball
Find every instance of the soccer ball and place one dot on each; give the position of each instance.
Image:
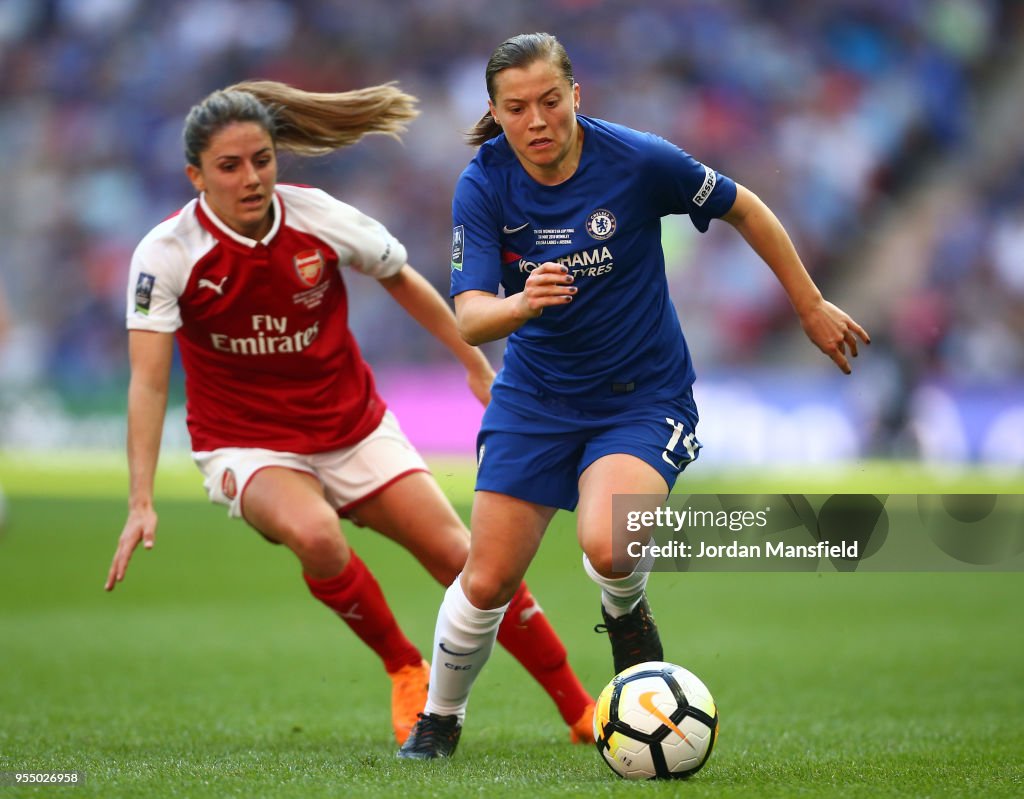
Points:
(655, 720)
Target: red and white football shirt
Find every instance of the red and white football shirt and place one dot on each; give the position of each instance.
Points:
(262, 326)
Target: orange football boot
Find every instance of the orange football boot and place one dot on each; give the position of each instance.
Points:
(408, 697)
(582, 730)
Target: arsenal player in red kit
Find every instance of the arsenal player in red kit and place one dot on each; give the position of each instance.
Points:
(285, 422)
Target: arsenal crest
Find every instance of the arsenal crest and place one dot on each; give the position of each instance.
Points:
(309, 265)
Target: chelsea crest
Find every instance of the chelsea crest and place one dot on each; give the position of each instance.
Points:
(601, 224)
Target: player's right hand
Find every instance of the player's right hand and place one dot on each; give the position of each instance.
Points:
(140, 526)
(549, 284)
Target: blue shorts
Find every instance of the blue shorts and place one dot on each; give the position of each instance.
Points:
(536, 448)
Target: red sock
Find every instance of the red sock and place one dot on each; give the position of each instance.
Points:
(529, 637)
(356, 597)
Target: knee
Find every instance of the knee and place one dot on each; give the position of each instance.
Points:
(321, 548)
(448, 559)
(486, 590)
(602, 562)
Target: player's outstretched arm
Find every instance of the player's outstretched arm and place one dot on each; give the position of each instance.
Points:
(150, 355)
(424, 304)
(830, 328)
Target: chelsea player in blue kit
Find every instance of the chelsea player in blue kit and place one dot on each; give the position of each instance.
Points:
(563, 212)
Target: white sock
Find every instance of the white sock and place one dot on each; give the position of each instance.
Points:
(463, 640)
(621, 594)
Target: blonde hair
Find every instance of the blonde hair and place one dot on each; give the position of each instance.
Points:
(302, 122)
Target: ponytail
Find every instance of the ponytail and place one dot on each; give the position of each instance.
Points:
(485, 129)
(306, 123)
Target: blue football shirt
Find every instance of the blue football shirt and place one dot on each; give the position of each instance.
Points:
(620, 336)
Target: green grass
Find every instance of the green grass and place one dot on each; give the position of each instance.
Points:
(211, 672)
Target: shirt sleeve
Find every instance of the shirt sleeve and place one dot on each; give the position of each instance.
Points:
(154, 285)
(686, 186)
(368, 246)
(476, 250)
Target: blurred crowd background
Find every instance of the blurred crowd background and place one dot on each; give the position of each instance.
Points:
(888, 135)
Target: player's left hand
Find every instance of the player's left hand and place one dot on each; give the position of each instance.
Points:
(833, 332)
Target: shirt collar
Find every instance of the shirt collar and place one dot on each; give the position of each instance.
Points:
(275, 204)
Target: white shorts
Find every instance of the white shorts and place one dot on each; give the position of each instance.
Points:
(349, 476)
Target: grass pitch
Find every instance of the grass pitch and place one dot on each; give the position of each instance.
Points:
(210, 672)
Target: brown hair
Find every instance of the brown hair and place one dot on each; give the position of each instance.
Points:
(306, 123)
(517, 52)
